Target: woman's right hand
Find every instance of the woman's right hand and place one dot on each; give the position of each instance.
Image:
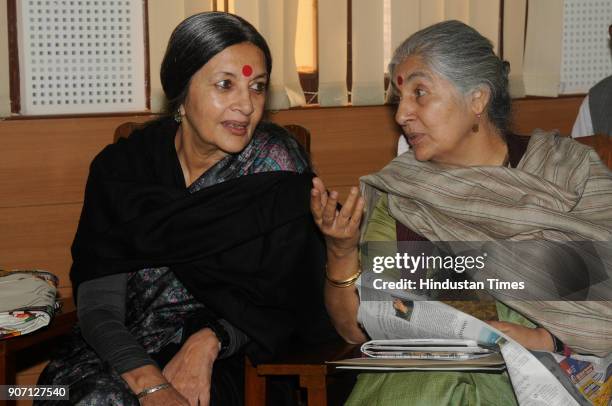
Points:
(340, 227)
(341, 230)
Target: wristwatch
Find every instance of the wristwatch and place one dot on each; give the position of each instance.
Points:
(560, 347)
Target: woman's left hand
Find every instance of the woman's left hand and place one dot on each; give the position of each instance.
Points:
(537, 339)
(190, 370)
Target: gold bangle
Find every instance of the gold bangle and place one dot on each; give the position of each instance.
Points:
(350, 281)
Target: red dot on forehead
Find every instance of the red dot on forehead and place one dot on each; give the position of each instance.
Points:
(247, 70)
(399, 80)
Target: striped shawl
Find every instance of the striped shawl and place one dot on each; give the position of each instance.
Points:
(560, 191)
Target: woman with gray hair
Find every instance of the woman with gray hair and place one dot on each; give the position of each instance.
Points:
(466, 178)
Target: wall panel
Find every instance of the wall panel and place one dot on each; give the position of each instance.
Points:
(547, 114)
(346, 142)
(45, 161)
(39, 237)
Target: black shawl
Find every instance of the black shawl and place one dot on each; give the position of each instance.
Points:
(247, 248)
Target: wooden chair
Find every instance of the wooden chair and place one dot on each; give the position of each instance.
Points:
(602, 144)
(306, 363)
(124, 130)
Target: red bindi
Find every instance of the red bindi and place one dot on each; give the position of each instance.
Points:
(247, 70)
(399, 80)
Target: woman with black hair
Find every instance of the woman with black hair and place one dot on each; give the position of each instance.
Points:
(195, 243)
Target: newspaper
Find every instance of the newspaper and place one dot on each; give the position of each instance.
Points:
(438, 354)
(436, 349)
(592, 376)
(27, 301)
(387, 316)
(493, 363)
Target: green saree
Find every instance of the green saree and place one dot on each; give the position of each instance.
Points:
(419, 388)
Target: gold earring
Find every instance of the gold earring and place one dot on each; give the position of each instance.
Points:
(476, 125)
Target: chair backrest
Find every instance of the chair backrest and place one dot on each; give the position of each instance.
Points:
(301, 134)
(602, 144)
(124, 130)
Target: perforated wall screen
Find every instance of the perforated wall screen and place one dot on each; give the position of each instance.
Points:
(586, 56)
(81, 56)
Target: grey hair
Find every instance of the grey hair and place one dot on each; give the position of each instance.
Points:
(460, 54)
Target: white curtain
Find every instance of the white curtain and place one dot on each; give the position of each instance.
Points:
(164, 16)
(221, 5)
(367, 41)
(484, 17)
(457, 10)
(192, 7)
(532, 68)
(276, 20)
(5, 97)
(332, 52)
(514, 43)
(542, 66)
(405, 20)
(431, 12)
(409, 16)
